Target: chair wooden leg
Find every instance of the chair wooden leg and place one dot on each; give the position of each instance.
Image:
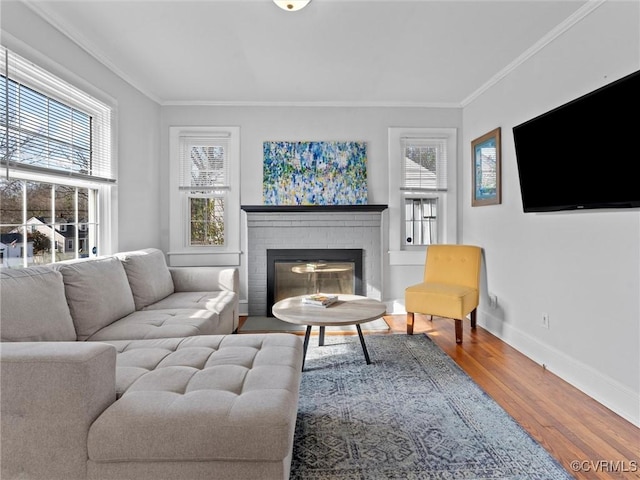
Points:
(473, 318)
(409, 323)
(458, 330)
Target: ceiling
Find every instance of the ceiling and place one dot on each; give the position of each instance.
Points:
(343, 52)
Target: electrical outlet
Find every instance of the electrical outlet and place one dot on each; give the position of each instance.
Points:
(493, 301)
(545, 320)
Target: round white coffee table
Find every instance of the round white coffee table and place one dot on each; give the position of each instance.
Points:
(348, 310)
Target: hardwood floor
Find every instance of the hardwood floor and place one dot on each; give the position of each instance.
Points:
(574, 428)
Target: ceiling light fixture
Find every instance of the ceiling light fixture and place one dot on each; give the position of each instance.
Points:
(291, 5)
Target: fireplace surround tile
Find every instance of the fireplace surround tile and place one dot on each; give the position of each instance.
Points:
(312, 229)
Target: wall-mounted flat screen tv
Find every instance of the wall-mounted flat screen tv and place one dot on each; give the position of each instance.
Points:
(584, 154)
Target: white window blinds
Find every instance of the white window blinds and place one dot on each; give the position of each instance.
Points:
(49, 126)
(204, 163)
(424, 164)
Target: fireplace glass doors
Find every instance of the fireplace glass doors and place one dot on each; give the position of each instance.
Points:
(299, 278)
(301, 272)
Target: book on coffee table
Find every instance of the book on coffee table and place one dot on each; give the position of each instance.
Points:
(320, 299)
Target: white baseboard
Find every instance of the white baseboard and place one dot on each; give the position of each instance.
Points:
(612, 394)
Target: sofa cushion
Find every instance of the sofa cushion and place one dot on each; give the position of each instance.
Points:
(33, 306)
(160, 324)
(213, 301)
(97, 292)
(148, 275)
(203, 398)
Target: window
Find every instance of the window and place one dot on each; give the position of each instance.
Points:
(205, 206)
(204, 179)
(57, 173)
(424, 177)
(422, 202)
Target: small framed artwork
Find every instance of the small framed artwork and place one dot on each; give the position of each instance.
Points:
(485, 156)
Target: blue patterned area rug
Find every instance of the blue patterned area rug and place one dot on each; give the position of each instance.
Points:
(411, 414)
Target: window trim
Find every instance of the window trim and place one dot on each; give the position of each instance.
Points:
(180, 252)
(447, 232)
(107, 196)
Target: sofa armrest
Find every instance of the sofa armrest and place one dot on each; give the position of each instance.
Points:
(51, 393)
(205, 279)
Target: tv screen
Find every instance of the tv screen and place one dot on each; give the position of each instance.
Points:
(584, 154)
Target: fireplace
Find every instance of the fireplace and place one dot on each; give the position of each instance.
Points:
(351, 227)
(292, 272)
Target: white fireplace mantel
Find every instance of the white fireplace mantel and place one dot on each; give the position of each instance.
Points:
(313, 208)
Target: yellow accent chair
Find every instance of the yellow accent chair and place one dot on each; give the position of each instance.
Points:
(451, 286)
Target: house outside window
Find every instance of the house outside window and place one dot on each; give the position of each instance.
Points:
(420, 220)
(205, 196)
(57, 170)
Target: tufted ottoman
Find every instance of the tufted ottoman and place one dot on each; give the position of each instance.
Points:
(220, 407)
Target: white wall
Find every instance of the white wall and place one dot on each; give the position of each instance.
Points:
(259, 124)
(582, 268)
(137, 119)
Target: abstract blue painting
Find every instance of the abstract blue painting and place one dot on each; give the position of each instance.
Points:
(314, 173)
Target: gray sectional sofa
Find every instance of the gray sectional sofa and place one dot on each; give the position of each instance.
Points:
(120, 367)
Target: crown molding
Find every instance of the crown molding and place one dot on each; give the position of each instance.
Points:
(41, 9)
(337, 104)
(576, 17)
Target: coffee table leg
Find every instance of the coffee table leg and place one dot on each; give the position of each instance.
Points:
(321, 337)
(305, 344)
(364, 346)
